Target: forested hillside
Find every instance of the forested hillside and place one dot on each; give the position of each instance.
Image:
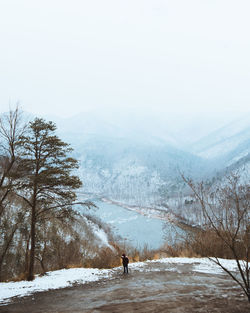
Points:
(142, 165)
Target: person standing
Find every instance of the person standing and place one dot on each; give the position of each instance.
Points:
(125, 261)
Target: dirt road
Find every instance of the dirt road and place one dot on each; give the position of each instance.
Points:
(157, 287)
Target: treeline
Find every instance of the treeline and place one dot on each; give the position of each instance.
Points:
(39, 230)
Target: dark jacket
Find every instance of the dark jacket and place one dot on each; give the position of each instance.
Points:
(125, 260)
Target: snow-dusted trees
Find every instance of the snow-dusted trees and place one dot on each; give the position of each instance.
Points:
(226, 211)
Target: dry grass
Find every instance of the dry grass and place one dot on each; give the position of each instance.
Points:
(20, 277)
(205, 243)
(198, 244)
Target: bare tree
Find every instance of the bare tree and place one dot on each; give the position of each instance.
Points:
(226, 210)
(11, 130)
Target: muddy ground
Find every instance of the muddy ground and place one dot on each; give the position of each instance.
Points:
(157, 287)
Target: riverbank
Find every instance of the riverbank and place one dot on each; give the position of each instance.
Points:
(160, 212)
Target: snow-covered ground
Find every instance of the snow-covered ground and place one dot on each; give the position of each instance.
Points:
(53, 280)
(69, 277)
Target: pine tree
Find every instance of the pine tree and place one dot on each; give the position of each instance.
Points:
(47, 185)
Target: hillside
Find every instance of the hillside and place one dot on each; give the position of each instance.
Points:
(129, 159)
(229, 143)
(136, 160)
(130, 170)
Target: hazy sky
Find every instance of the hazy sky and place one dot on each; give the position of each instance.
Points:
(64, 57)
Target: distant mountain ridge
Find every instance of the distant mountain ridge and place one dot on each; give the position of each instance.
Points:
(126, 162)
(229, 145)
(127, 169)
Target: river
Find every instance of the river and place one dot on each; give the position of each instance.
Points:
(138, 230)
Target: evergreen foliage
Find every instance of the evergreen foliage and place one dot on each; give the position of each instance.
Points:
(47, 185)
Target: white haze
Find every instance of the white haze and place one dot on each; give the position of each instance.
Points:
(177, 65)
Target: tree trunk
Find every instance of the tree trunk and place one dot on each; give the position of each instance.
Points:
(26, 264)
(1, 264)
(32, 245)
(43, 267)
(6, 248)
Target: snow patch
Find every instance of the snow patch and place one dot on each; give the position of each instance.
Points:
(204, 265)
(53, 280)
